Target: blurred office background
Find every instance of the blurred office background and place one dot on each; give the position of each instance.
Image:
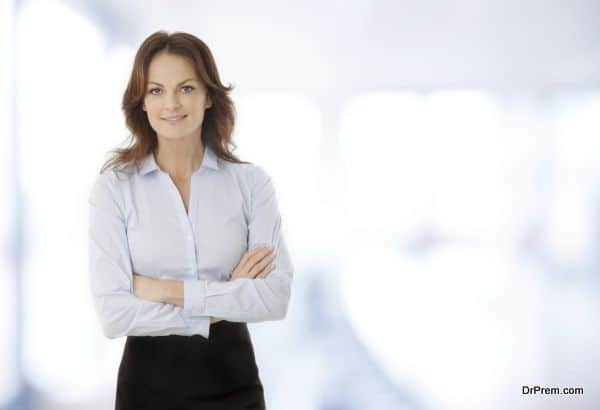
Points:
(437, 165)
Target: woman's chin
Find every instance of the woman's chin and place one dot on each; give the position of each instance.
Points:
(171, 136)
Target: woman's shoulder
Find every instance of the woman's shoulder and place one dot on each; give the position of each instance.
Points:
(108, 182)
(249, 173)
(105, 192)
(117, 173)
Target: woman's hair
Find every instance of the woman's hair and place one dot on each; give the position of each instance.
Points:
(219, 119)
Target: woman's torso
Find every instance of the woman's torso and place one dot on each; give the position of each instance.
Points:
(204, 241)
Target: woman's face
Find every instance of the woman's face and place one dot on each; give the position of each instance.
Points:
(175, 97)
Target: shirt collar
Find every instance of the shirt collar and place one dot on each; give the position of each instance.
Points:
(209, 160)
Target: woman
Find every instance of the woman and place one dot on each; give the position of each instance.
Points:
(185, 240)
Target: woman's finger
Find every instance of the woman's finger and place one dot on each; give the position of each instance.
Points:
(260, 266)
(266, 272)
(241, 266)
(247, 255)
(250, 254)
(248, 260)
(256, 258)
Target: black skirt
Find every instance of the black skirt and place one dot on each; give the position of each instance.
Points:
(190, 372)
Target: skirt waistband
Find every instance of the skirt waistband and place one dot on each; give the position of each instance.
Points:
(222, 331)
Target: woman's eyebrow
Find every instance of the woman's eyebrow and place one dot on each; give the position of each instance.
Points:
(189, 79)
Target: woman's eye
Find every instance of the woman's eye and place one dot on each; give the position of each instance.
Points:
(186, 89)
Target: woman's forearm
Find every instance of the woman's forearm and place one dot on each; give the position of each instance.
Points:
(172, 293)
(161, 290)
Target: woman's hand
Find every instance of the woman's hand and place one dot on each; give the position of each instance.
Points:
(147, 288)
(257, 263)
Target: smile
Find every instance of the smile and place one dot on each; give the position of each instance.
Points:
(175, 119)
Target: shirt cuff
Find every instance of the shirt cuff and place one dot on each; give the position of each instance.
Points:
(194, 297)
(198, 325)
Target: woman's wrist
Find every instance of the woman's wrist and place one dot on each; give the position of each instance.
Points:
(162, 291)
(171, 291)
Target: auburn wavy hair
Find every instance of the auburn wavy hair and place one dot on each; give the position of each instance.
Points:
(217, 127)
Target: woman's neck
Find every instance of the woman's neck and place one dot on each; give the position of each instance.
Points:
(180, 158)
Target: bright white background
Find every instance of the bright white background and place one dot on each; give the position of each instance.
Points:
(437, 166)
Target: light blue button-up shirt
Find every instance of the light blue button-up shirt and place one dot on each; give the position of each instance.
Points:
(138, 223)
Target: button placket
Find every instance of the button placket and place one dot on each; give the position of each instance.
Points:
(185, 219)
(190, 220)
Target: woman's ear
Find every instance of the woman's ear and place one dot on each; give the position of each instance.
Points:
(209, 102)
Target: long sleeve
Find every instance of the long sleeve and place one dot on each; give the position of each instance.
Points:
(244, 299)
(120, 312)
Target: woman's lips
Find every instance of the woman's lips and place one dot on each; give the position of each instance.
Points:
(176, 119)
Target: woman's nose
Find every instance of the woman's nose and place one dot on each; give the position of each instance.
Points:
(172, 101)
